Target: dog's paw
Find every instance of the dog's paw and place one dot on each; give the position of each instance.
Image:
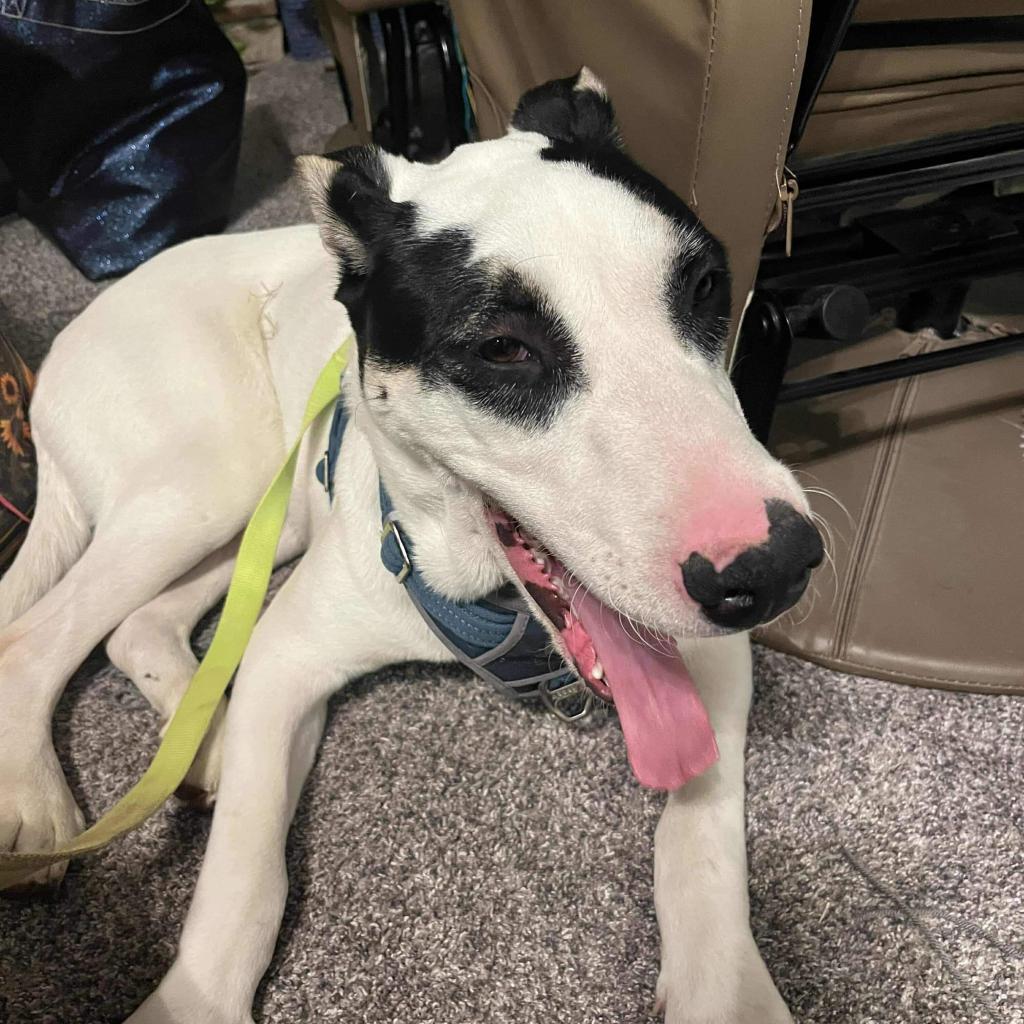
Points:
(199, 787)
(178, 1000)
(37, 814)
(154, 1012)
(745, 995)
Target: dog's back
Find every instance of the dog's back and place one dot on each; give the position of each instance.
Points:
(194, 369)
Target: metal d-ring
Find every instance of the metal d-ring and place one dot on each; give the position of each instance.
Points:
(392, 527)
(553, 699)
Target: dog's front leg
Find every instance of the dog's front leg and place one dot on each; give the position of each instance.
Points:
(711, 970)
(319, 632)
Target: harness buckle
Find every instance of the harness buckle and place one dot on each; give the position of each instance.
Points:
(391, 527)
(572, 702)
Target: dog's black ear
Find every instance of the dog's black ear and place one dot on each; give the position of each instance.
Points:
(349, 193)
(573, 110)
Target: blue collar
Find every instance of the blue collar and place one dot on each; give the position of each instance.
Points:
(497, 636)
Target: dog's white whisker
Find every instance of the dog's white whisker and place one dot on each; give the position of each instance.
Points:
(828, 552)
(823, 492)
(536, 256)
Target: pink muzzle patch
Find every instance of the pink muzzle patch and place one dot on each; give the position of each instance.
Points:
(723, 530)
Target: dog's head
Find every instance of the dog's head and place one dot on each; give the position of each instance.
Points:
(541, 327)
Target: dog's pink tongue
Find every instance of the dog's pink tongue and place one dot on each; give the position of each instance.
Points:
(668, 734)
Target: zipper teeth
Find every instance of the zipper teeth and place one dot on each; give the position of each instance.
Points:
(876, 489)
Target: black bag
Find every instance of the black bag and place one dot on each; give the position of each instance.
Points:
(120, 124)
(17, 455)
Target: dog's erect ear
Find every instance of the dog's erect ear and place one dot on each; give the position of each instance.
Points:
(571, 110)
(349, 193)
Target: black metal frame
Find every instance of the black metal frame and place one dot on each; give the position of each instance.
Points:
(895, 369)
(400, 82)
(920, 262)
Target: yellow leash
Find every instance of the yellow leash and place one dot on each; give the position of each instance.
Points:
(242, 606)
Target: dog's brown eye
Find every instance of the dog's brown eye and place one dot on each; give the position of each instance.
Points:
(505, 350)
(704, 287)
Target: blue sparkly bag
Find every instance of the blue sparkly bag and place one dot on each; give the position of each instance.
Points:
(120, 124)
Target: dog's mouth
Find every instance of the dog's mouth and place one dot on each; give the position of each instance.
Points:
(668, 735)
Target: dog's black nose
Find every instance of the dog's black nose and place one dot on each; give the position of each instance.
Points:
(761, 582)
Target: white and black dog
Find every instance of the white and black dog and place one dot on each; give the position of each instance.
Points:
(539, 387)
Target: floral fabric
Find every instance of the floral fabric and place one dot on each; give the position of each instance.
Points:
(17, 454)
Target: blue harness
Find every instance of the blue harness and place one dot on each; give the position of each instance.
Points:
(497, 637)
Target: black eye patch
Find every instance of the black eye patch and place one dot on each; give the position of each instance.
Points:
(698, 293)
(425, 302)
(516, 357)
(698, 285)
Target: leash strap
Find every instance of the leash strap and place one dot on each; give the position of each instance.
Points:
(242, 607)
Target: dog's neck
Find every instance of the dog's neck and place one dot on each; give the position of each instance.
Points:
(438, 511)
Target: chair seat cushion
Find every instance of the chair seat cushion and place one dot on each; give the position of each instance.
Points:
(925, 522)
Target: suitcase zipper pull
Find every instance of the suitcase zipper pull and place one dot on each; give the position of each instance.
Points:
(789, 189)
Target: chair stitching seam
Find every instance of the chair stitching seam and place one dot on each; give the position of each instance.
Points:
(704, 104)
(789, 102)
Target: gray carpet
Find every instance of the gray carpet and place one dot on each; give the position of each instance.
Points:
(458, 860)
